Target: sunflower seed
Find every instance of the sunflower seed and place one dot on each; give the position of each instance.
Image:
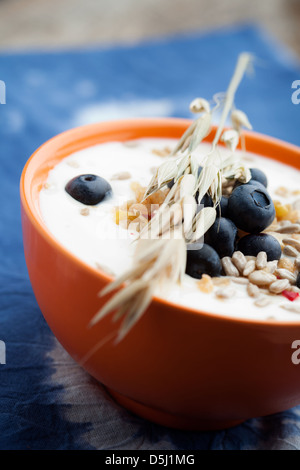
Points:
(295, 308)
(261, 278)
(292, 242)
(225, 293)
(291, 228)
(261, 260)
(229, 268)
(289, 250)
(239, 260)
(240, 280)
(249, 268)
(262, 301)
(122, 175)
(253, 290)
(271, 266)
(279, 286)
(285, 274)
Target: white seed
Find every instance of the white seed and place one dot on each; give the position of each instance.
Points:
(290, 251)
(239, 260)
(240, 280)
(261, 260)
(261, 278)
(271, 266)
(292, 242)
(262, 301)
(229, 268)
(291, 307)
(122, 175)
(225, 293)
(253, 290)
(249, 268)
(279, 286)
(286, 274)
(291, 228)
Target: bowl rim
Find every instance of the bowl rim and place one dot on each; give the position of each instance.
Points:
(137, 123)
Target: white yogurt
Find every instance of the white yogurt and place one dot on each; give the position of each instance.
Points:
(98, 241)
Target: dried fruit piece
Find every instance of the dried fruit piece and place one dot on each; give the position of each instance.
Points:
(205, 284)
(281, 210)
(290, 295)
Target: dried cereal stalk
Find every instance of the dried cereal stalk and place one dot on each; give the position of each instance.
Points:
(160, 257)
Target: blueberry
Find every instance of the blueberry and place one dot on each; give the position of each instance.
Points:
(298, 281)
(202, 259)
(222, 236)
(171, 183)
(253, 244)
(200, 168)
(256, 183)
(258, 175)
(88, 189)
(207, 201)
(251, 208)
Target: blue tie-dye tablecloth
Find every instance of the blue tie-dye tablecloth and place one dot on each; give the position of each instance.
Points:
(46, 400)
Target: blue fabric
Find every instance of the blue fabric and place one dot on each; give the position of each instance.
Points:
(46, 400)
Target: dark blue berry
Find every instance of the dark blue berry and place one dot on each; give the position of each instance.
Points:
(88, 189)
(252, 244)
(202, 259)
(258, 175)
(171, 183)
(256, 183)
(251, 208)
(207, 201)
(222, 236)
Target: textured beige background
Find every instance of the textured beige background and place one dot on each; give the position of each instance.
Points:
(56, 23)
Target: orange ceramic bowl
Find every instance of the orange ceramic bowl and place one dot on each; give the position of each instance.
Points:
(178, 367)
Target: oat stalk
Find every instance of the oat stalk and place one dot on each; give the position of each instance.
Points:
(160, 257)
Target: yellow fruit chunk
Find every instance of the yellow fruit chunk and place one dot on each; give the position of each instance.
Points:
(285, 263)
(282, 210)
(205, 284)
